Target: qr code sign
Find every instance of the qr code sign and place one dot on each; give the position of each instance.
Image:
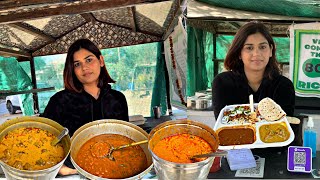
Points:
(299, 157)
(251, 171)
(257, 171)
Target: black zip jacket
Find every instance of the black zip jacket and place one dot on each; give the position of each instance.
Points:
(229, 88)
(72, 110)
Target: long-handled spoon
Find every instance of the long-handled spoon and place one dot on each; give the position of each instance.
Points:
(104, 149)
(63, 133)
(218, 153)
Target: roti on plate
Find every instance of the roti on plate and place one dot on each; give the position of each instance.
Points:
(270, 110)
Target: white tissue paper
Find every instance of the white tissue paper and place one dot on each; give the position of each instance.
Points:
(240, 159)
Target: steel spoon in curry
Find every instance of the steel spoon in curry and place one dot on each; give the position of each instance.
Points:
(111, 149)
(63, 133)
(214, 154)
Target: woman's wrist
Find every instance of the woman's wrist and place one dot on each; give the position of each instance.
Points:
(65, 170)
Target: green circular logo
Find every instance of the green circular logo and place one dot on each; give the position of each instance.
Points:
(311, 67)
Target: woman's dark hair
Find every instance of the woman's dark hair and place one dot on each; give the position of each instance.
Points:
(233, 61)
(71, 81)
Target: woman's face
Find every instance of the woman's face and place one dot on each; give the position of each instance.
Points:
(87, 66)
(255, 53)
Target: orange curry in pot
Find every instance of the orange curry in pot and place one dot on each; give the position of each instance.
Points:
(127, 162)
(180, 148)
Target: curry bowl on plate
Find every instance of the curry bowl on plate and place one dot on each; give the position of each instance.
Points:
(26, 151)
(236, 135)
(274, 132)
(91, 143)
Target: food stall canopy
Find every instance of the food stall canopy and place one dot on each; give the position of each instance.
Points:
(38, 28)
(285, 9)
(223, 17)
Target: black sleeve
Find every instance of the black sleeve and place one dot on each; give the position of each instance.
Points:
(53, 110)
(284, 95)
(221, 93)
(124, 115)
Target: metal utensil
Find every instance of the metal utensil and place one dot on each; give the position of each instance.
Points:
(109, 155)
(63, 133)
(104, 149)
(218, 153)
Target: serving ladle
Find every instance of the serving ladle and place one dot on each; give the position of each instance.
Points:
(214, 154)
(99, 151)
(63, 133)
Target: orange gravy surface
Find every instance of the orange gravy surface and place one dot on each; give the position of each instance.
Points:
(180, 148)
(127, 162)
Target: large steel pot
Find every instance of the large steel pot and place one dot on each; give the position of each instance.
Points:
(92, 129)
(171, 170)
(39, 122)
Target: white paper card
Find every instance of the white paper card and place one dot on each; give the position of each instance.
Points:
(240, 159)
(256, 172)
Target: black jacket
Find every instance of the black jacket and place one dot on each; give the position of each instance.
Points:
(72, 110)
(229, 88)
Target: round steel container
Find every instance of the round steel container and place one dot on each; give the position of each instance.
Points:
(92, 129)
(177, 171)
(39, 122)
(203, 103)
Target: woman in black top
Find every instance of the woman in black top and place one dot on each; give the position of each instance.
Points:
(252, 69)
(87, 95)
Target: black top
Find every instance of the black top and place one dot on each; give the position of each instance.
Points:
(72, 110)
(229, 88)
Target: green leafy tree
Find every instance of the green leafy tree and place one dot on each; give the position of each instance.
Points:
(123, 62)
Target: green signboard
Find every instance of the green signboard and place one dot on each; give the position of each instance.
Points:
(305, 62)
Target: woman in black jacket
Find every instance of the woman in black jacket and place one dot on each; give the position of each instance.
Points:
(87, 95)
(252, 69)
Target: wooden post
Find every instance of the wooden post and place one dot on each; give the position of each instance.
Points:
(34, 82)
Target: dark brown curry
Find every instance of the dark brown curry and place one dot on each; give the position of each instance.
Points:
(236, 135)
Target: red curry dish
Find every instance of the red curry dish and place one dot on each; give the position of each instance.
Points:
(127, 162)
(180, 148)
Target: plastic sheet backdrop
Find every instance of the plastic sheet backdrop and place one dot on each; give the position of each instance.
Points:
(12, 79)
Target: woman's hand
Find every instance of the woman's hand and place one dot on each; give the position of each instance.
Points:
(65, 170)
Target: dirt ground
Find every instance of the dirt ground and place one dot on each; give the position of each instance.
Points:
(138, 102)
